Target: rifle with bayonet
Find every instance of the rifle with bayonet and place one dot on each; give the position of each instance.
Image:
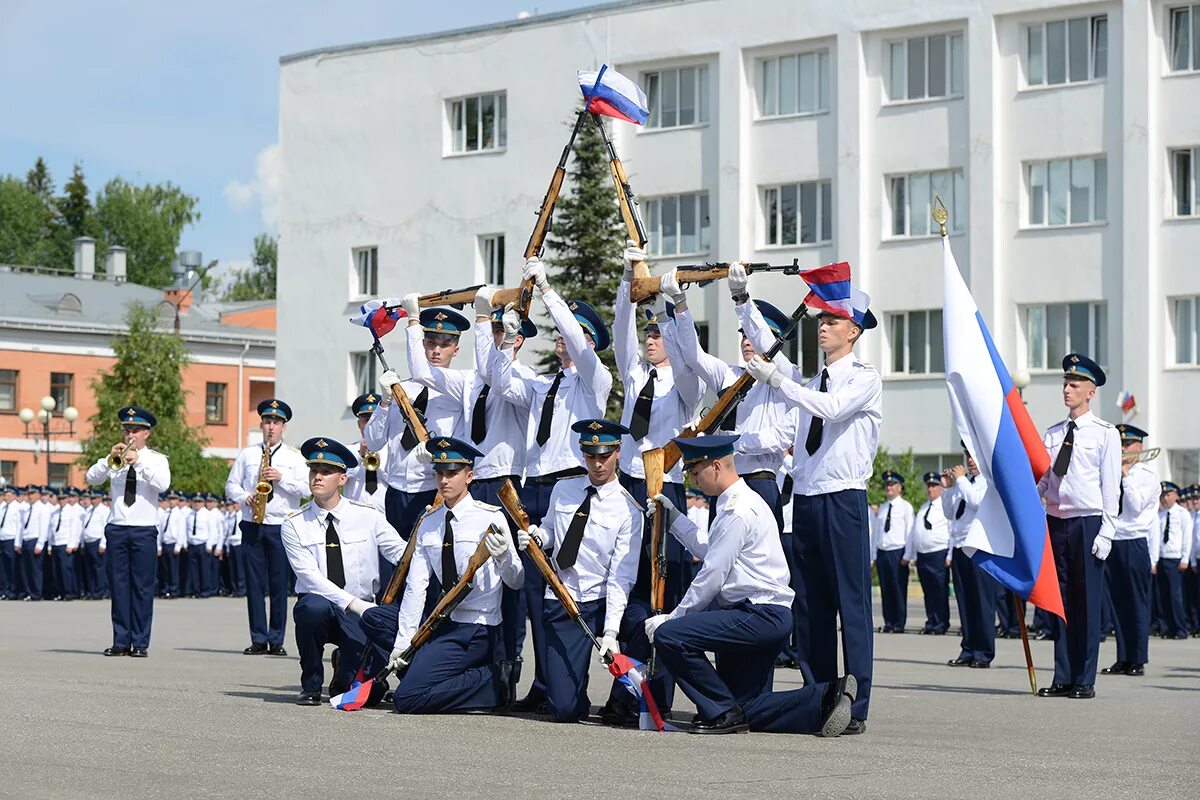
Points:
(645, 288)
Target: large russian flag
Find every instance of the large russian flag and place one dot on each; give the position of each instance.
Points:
(1012, 543)
(610, 93)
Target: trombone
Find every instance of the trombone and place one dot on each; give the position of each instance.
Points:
(1141, 456)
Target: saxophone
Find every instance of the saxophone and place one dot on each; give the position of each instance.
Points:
(262, 489)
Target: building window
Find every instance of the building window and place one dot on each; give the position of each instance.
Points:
(363, 367)
(926, 67)
(491, 252)
(8, 471)
(60, 475)
(1067, 191)
(1184, 313)
(677, 97)
(1185, 38)
(916, 342)
(8, 390)
(793, 84)
(1054, 330)
(678, 224)
(1185, 466)
(478, 123)
(366, 271)
(912, 196)
(798, 213)
(61, 384)
(802, 350)
(1185, 176)
(1066, 51)
(214, 403)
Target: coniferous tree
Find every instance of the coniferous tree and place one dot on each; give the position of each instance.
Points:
(256, 282)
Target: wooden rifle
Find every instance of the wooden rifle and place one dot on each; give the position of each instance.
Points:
(646, 287)
(652, 462)
(630, 215)
(396, 585)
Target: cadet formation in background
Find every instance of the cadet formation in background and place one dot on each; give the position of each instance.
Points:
(768, 557)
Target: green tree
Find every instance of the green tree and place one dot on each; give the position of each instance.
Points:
(39, 181)
(22, 218)
(149, 221)
(149, 372)
(256, 282)
(906, 465)
(587, 243)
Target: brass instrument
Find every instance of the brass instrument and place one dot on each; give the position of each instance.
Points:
(371, 460)
(116, 461)
(262, 489)
(1141, 456)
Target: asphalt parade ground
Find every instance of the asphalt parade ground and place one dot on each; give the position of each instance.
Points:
(198, 719)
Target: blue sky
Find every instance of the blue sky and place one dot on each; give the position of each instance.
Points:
(185, 92)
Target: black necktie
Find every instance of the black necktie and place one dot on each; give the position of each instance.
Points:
(887, 523)
(58, 523)
(449, 565)
(1063, 461)
(962, 507)
(1167, 529)
(479, 415)
(928, 524)
(130, 486)
(543, 431)
(569, 551)
(639, 425)
(5, 516)
(817, 425)
(195, 515)
(408, 440)
(1121, 498)
(371, 479)
(335, 570)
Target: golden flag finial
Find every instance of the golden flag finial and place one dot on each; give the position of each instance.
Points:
(940, 215)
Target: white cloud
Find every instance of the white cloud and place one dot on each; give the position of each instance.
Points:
(263, 187)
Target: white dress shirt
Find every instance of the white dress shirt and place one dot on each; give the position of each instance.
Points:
(1196, 538)
(363, 535)
(743, 557)
(153, 476)
(894, 535)
(1092, 484)
(967, 494)
(922, 539)
(35, 529)
(12, 518)
(482, 603)
(291, 487)
(1138, 503)
(94, 521)
(67, 527)
(582, 394)
(385, 428)
(356, 479)
(176, 532)
(1178, 544)
(699, 517)
(607, 563)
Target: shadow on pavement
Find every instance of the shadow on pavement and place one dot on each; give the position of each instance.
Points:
(930, 687)
(76, 652)
(942, 663)
(273, 694)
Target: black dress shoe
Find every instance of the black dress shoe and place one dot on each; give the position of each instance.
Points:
(1055, 690)
(980, 664)
(925, 631)
(256, 649)
(116, 651)
(835, 706)
(308, 699)
(139, 652)
(277, 650)
(529, 702)
(1118, 668)
(1136, 670)
(1084, 691)
(855, 727)
(618, 715)
(731, 721)
(960, 662)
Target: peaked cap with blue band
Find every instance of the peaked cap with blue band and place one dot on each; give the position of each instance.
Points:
(705, 448)
(1080, 366)
(445, 321)
(137, 417)
(275, 408)
(364, 404)
(325, 452)
(591, 322)
(450, 453)
(528, 329)
(1131, 433)
(599, 436)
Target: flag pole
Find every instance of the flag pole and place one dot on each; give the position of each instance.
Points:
(941, 216)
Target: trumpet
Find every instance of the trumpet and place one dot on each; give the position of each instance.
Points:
(1141, 456)
(371, 460)
(116, 461)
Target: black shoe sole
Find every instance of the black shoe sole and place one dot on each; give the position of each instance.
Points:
(839, 719)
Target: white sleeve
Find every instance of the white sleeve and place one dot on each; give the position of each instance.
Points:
(413, 602)
(719, 559)
(624, 333)
(233, 484)
(837, 404)
(308, 572)
(622, 570)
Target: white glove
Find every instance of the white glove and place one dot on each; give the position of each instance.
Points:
(411, 305)
(670, 512)
(660, 308)
(535, 271)
(608, 645)
(421, 454)
(669, 285)
(483, 301)
(738, 279)
(396, 660)
(633, 255)
(1101, 547)
(764, 372)
(512, 324)
(387, 380)
(358, 607)
(496, 543)
(652, 624)
(533, 534)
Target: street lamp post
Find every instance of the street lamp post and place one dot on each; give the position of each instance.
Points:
(46, 415)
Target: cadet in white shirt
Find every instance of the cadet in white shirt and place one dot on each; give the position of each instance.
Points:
(236, 564)
(893, 522)
(928, 544)
(31, 543)
(974, 590)
(455, 670)
(593, 533)
(1191, 578)
(1129, 563)
(262, 548)
(10, 529)
(334, 545)
(132, 531)
(199, 549)
(1170, 557)
(171, 544)
(364, 482)
(65, 535)
(738, 607)
(94, 547)
(836, 437)
(1081, 490)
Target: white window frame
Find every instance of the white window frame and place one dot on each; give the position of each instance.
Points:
(363, 373)
(768, 73)
(1189, 193)
(654, 80)
(955, 68)
(1040, 80)
(653, 208)
(956, 203)
(1097, 323)
(905, 317)
(457, 126)
(364, 271)
(1043, 169)
(1177, 305)
(823, 225)
(491, 258)
(1192, 27)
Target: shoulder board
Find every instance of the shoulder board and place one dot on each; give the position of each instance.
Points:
(636, 504)
(297, 512)
(487, 506)
(863, 365)
(1103, 423)
(1057, 426)
(358, 503)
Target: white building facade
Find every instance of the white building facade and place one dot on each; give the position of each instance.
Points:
(1063, 138)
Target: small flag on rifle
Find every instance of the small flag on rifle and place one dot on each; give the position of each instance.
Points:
(356, 696)
(630, 673)
(611, 94)
(379, 316)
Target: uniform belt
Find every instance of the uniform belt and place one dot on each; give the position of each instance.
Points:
(555, 477)
(761, 475)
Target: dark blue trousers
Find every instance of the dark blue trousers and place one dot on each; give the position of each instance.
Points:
(512, 624)
(1079, 577)
(8, 569)
(64, 571)
(1006, 611)
(893, 588)
(975, 591)
(93, 570)
(31, 569)
(569, 653)
(832, 542)
(768, 490)
(536, 499)
(1129, 573)
(1191, 599)
(168, 569)
(935, 585)
(237, 569)
(199, 568)
(402, 510)
(266, 571)
(131, 556)
(1108, 613)
(319, 622)
(1168, 582)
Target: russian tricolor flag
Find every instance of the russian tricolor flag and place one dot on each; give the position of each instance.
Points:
(610, 93)
(379, 316)
(1012, 541)
(829, 289)
(628, 673)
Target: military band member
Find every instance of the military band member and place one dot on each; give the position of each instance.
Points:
(837, 434)
(95, 547)
(10, 528)
(1170, 558)
(333, 545)
(1081, 490)
(363, 483)
(974, 589)
(455, 670)
(1129, 563)
(737, 607)
(266, 563)
(892, 524)
(31, 543)
(928, 544)
(132, 531)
